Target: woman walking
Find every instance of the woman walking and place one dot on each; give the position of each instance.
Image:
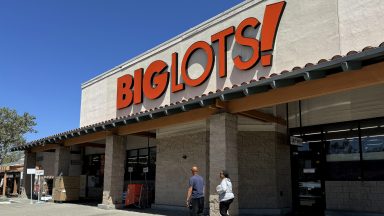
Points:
(224, 189)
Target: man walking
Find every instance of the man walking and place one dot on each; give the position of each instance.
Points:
(195, 194)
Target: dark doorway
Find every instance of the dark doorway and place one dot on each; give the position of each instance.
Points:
(308, 174)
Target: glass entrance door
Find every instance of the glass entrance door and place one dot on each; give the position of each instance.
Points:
(307, 172)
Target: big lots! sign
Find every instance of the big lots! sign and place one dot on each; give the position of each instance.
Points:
(156, 79)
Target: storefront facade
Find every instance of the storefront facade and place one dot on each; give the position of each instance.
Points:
(231, 93)
(10, 178)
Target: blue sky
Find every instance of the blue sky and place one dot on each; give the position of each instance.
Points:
(49, 47)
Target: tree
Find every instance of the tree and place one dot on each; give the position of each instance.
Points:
(13, 127)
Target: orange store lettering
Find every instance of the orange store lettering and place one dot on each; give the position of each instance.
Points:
(153, 81)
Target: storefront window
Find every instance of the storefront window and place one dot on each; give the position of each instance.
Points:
(137, 160)
(311, 137)
(94, 169)
(372, 140)
(152, 163)
(342, 152)
(352, 150)
(142, 163)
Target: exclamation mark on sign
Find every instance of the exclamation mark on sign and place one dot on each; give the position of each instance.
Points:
(272, 16)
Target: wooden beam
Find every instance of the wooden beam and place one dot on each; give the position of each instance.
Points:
(344, 81)
(221, 104)
(87, 138)
(45, 147)
(141, 128)
(263, 117)
(193, 115)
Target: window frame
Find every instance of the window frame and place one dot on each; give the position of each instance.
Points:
(361, 161)
(135, 176)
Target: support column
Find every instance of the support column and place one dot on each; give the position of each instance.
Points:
(5, 184)
(29, 163)
(62, 161)
(14, 185)
(115, 151)
(222, 156)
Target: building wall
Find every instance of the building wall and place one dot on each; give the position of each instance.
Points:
(136, 142)
(365, 196)
(283, 169)
(75, 167)
(46, 161)
(345, 106)
(264, 171)
(360, 24)
(94, 150)
(96, 102)
(264, 164)
(173, 171)
(308, 31)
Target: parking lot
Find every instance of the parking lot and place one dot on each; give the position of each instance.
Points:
(22, 207)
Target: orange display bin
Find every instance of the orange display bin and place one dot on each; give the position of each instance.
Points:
(133, 194)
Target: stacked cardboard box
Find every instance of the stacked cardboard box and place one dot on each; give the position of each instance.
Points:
(66, 188)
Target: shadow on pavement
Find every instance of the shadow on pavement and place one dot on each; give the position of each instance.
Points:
(157, 211)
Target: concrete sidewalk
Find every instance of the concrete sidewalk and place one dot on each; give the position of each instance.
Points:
(22, 207)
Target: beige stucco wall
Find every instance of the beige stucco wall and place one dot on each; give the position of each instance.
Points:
(308, 32)
(360, 24)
